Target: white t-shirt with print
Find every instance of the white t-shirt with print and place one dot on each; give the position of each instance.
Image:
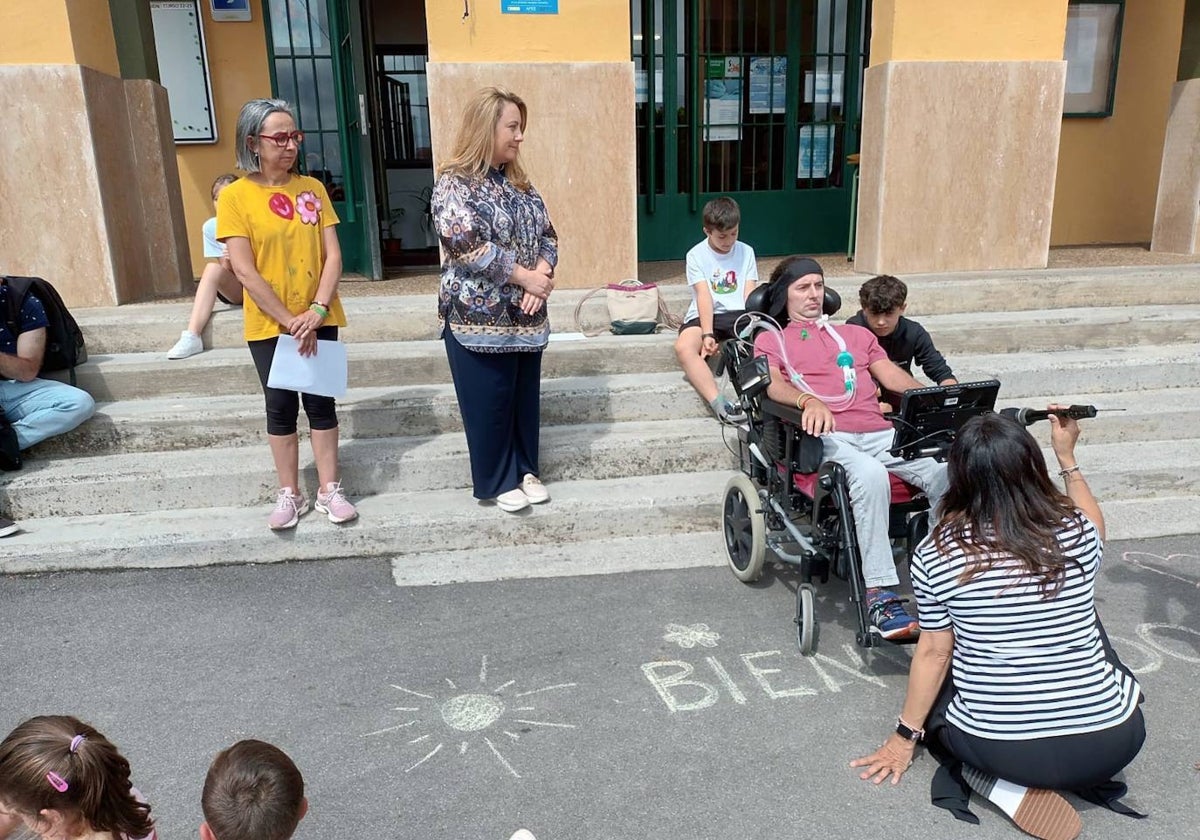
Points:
(725, 274)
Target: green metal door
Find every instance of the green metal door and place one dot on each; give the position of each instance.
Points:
(756, 99)
(315, 54)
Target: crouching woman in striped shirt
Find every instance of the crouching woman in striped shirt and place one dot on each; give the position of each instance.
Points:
(1014, 687)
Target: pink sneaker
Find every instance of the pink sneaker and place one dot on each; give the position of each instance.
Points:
(335, 504)
(289, 507)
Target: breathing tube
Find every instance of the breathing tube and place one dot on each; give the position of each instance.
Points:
(751, 321)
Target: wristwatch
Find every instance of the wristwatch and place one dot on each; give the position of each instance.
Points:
(907, 732)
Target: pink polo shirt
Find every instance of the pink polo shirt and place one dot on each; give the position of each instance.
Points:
(815, 358)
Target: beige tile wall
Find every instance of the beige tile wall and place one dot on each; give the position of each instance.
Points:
(1177, 213)
(958, 165)
(579, 151)
(89, 194)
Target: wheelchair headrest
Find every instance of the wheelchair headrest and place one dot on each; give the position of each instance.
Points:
(766, 300)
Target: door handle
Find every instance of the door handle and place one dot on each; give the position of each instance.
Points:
(362, 114)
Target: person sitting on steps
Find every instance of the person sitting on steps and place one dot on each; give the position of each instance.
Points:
(35, 408)
(721, 271)
(217, 282)
(883, 300)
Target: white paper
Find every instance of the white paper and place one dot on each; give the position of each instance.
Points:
(323, 374)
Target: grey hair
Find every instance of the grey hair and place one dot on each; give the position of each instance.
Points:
(249, 124)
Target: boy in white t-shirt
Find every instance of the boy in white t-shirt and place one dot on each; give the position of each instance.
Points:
(721, 271)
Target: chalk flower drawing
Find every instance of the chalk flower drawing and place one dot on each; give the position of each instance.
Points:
(690, 635)
(471, 712)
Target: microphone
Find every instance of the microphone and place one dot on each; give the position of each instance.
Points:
(1029, 416)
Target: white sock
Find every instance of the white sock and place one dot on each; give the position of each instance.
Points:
(1004, 794)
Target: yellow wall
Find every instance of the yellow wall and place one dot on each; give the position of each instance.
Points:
(583, 30)
(58, 32)
(968, 30)
(1108, 168)
(238, 67)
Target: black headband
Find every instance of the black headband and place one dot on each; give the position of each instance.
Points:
(798, 268)
(795, 269)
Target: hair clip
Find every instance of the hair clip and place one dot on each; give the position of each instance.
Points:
(57, 782)
(76, 741)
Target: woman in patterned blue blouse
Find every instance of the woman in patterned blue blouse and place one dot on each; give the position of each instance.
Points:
(500, 252)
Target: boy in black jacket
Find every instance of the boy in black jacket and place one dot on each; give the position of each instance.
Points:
(883, 300)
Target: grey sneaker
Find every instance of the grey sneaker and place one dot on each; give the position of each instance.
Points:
(732, 414)
(189, 344)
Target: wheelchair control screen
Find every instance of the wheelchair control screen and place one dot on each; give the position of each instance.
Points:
(929, 418)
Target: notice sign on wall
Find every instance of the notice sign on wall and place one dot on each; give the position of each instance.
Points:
(529, 7)
(223, 10)
(183, 69)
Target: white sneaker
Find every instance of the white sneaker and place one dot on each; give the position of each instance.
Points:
(512, 501)
(523, 834)
(189, 344)
(534, 490)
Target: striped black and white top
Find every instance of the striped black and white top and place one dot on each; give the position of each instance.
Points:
(1024, 667)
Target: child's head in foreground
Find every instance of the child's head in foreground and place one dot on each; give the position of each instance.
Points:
(64, 779)
(883, 300)
(221, 183)
(253, 791)
(722, 218)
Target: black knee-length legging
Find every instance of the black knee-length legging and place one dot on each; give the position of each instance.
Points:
(283, 407)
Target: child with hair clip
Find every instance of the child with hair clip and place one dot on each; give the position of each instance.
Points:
(64, 781)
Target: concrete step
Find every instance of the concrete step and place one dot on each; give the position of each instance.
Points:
(218, 477)
(241, 475)
(126, 376)
(152, 425)
(1064, 329)
(587, 557)
(439, 530)
(148, 425)
(154, 328)
(129, 376)
(410, 524)
(1096, 372)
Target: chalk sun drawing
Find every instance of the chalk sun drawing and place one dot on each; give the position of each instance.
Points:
(468, 715)
(690, 635)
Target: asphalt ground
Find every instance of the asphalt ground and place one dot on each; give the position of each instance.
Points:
(660, 704)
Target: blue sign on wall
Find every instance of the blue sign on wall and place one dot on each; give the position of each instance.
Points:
(529, 7)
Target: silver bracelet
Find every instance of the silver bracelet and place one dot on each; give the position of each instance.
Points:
(1068, 471)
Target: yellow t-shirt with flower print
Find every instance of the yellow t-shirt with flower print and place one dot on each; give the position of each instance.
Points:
(285, 226)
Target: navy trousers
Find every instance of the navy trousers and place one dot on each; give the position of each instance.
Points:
(499, 396)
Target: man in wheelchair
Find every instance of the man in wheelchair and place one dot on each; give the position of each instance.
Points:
(827, 373)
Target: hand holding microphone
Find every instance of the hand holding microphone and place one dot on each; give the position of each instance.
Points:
(1064, 427)
(1029, 416)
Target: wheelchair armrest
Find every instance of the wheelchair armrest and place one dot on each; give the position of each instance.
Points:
(807, 450)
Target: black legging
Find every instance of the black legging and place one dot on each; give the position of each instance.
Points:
(1083, 763)
(283, 407)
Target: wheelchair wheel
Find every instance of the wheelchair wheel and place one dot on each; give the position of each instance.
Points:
(745, 528)
(806, 619)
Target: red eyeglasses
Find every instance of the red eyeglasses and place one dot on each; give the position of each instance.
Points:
(281, 139)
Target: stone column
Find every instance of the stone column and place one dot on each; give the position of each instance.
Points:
(1177, 211)
(962, 112)
(90, 192)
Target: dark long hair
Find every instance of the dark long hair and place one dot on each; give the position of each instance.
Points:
(39, 770)
(1001, 503)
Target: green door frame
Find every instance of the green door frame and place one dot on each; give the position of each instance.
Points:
(358, 230)
(797, 217)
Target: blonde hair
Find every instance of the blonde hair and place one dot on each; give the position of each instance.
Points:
(476, 140)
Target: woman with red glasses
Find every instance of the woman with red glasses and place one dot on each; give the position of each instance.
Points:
(280, 231)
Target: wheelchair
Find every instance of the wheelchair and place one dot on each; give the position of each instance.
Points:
(789, 502)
